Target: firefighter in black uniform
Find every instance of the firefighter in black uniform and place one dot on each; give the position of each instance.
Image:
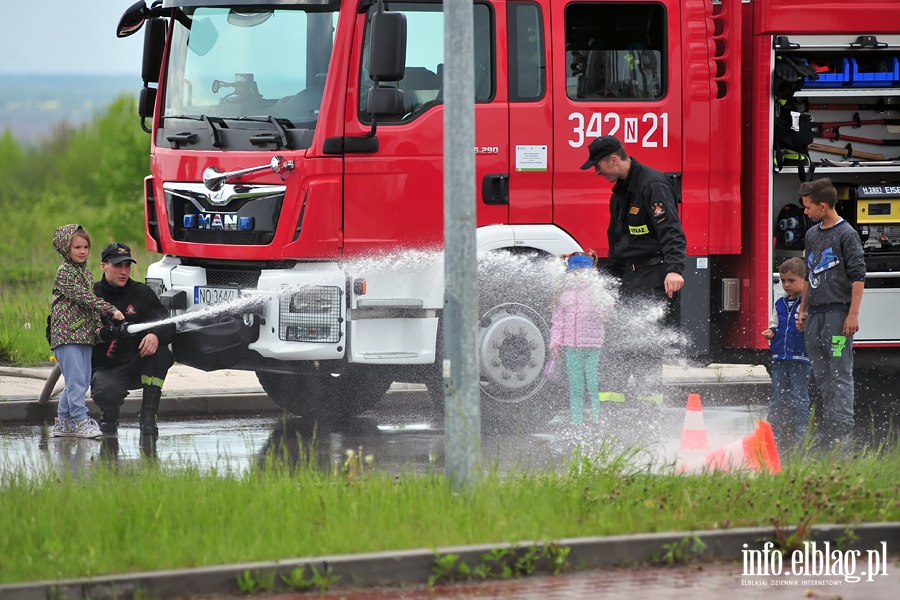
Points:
(647, 250)
(123, 362)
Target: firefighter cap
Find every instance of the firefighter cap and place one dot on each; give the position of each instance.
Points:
(116, 253)
(600, 148)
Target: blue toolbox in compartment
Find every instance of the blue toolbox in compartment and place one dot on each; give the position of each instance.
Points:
(879, 72)
(839, 78)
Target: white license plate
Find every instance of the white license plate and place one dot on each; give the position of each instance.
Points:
(209, 295)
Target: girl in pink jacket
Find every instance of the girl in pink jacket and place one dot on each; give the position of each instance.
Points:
(581, 307)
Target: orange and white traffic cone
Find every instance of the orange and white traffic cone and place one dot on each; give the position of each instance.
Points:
(693, 435)
(755, 452)
(694, 443)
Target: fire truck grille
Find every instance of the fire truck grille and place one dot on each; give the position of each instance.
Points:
(312, 314)
(241, 215)
(242, 279)
(237, 238)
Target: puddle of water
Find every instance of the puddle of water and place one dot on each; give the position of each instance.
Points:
(407, 444)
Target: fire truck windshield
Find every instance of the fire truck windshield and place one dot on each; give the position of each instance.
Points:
(251, 64)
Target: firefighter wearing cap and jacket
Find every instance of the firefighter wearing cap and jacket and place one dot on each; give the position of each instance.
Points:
(126, 362)
(647, 251)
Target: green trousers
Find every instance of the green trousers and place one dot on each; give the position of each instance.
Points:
(582, 365)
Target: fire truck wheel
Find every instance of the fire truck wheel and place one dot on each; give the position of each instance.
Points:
(515, 294)
(512, 346)
(325, 396)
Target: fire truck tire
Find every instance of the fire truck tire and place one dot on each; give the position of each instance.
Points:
(324, 396)
(513, 345)
(532, 408)
(513, 349)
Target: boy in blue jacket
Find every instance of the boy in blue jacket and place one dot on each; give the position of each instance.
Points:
(789, 406)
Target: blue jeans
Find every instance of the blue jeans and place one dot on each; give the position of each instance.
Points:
(75, 363)
(789, 408)
(582, 365)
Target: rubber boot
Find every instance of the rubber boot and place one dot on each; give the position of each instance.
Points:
(149, 407)
(109, 420)
(148, 446)
(109, 448)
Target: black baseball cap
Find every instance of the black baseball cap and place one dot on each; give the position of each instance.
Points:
(600, 148)
(116, 253)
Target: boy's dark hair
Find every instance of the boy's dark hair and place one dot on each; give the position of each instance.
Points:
(794, 266)
(819, 191)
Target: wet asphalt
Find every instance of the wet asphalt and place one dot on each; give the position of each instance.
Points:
(401, 434)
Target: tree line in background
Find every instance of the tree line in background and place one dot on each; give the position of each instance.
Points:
(91, 174)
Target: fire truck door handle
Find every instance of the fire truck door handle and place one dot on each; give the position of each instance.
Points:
(495, 188)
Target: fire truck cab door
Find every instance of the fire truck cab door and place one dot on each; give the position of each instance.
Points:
(530, 112)
(614, 73)
(393, 197)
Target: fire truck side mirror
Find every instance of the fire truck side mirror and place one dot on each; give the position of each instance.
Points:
(385, 102)
(387, 46)
(154, 44)
(132, 20)
(146, 102)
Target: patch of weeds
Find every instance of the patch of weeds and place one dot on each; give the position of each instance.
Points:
(523, 560)
(252, 583)
(500, 563)
(296, 580)
(682, 551)
(819, 493)
(324, 579)
(719, 372)
(847, 540)
(448, 568)
(9, 353)
(141, 594)
(247, 583)
(494, 564)
(556, 556)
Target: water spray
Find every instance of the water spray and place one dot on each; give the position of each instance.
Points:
(250, 302)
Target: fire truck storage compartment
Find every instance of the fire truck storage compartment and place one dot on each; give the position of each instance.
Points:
(855, 110)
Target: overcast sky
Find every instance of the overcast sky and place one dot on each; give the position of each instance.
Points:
(67, 36)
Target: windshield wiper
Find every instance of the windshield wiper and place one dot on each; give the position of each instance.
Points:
(188, 138)
(261, 139)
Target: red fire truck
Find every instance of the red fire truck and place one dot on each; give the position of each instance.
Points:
(296, 151)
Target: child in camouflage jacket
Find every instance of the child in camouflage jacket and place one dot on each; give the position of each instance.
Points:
(74, 317)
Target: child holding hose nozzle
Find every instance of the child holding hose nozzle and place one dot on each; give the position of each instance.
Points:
(74, 316)
(122, 361)
(580, 310)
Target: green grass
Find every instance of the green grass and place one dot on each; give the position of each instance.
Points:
(138, 519)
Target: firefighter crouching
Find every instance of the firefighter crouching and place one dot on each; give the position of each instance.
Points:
(647, 252)
(122, 362)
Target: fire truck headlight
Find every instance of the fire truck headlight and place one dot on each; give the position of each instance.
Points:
(156, 285)
(312, 314)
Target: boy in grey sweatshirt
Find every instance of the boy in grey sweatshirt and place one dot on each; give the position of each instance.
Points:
(829, 311)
